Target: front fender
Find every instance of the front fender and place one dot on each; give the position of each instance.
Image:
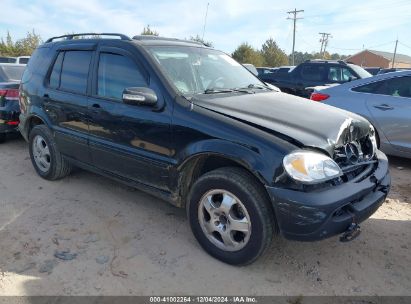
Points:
(260, 163)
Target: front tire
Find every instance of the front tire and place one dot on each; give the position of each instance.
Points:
(2, 137)
(230, 215)
(45, 156)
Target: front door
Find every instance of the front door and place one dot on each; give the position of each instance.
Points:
(128, 140)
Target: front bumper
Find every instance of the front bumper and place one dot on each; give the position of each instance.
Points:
(309, 216)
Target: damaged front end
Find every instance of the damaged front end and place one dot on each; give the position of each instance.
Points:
(310, 211)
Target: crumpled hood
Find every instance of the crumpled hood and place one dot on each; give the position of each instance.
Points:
(310, 123)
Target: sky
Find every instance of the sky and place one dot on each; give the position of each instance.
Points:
(353, 24)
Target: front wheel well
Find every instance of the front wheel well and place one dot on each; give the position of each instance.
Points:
(199, 166)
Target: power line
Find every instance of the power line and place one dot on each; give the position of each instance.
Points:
(294, 18)
(403, 44)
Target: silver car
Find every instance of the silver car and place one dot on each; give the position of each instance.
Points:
(385, 100)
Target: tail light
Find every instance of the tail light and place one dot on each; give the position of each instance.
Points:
(10, 94)
(317, 96)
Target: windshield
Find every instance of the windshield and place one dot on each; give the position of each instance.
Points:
(360, 71)
(196, 70)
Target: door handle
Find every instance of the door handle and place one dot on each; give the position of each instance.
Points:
(384, 107)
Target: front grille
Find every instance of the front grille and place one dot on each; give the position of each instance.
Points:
(355, 157)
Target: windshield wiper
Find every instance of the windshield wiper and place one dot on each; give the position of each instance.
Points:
(215, 91)
(256, 86)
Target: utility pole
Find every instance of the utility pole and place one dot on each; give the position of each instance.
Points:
(324, 43)
(205, 21)
(395, 53)
(294, 18)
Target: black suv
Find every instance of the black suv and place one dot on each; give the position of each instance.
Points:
(189, 124)
(312, 73)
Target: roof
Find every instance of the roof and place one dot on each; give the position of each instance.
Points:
(387, 55)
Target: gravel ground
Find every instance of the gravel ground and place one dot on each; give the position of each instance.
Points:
(88, 235)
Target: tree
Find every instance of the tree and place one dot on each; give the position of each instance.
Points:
(245, 53)
(22, 47)
(272, 54)
(148, 31)
(199, 39)
(27, 45)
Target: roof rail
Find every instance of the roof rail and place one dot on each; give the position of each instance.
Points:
(153, 37)
(71, 36)
(326, 61)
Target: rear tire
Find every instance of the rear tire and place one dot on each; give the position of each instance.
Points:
(230, 215)
(45, 155)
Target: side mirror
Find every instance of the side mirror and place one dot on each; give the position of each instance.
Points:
(352, 78)
(140, 96)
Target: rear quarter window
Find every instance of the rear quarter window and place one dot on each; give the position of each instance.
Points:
(38, 63)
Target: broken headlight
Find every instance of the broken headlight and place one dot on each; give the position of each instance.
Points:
(310, 167)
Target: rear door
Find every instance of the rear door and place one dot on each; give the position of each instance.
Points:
(128, 140)
(390, 106)
(65, 99)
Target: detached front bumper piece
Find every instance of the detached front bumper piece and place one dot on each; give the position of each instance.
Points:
(310, 216)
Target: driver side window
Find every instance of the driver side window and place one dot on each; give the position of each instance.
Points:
(115, 73)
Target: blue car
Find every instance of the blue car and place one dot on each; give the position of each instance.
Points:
(385, 100)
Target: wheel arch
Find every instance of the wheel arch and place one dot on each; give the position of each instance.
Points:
(200, 163)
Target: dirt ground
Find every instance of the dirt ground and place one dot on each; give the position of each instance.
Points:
(124, 242)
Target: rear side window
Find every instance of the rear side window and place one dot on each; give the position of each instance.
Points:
(55, 73)
(372, 88)
(115, 73)
(38, 63)
(313, 72)
(74, 72)
(397, 87)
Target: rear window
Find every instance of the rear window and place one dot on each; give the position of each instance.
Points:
(7, 60)
(74, 72)
(23, 60)
(12, 72)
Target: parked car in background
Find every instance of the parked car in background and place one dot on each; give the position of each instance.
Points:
(265, 70)
(269, 75)
(385, 100)
(191, 125)
(373, 70)
(10, 76)
(390, 70)
(313, 73)
(22, 59)
(7, 59)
